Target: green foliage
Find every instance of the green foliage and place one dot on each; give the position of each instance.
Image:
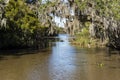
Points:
(1, 0)
(83, 37)
(23, 17)
(46, 6)
(106, 8)
(84, 32)
(81, 4)
(87, 24)
(99, 11)
(21, 25)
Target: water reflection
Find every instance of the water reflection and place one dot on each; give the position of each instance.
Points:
(61, 62)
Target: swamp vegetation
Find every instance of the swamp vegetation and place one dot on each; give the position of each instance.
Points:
(25, 23)
(59, 39)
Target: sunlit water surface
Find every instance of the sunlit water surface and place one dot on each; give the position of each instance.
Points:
(60, 62)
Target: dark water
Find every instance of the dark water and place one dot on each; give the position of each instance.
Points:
(61, 62)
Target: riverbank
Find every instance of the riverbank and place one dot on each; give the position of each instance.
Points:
(60, 62)
(88, 43)
(83, 39)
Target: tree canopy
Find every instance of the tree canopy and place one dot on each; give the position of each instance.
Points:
(22, 21)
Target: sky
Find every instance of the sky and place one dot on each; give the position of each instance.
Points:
(60, 21)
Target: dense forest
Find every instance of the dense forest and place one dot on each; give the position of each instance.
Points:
(101, 18)
(24, 22)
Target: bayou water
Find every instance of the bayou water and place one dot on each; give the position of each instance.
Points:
(61, 61)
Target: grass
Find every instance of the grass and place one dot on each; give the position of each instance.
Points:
(83, 39)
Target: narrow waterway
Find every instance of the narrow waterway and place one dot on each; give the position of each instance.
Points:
(60, 62)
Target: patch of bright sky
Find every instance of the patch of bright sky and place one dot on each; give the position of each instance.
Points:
(44, 1)
(59, 21)
(72, 12)
(65, 1)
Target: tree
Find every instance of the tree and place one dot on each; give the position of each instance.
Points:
(21, 25)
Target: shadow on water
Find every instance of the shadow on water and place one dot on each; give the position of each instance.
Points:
(47, 43)
(61, 61)
(111, 52)
(44, 45)
(15, 53)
